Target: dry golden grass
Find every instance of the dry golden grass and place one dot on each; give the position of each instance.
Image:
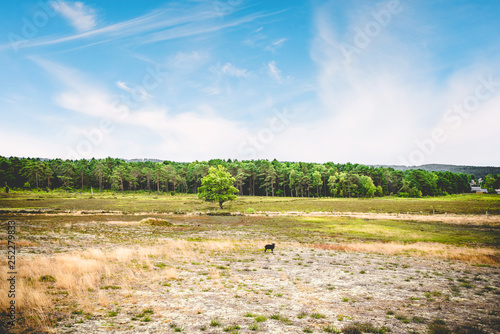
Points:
(214, 273)
(81, 273)
(483, 255)
(19, 243)
(170, 273)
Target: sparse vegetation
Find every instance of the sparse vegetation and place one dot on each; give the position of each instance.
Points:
(215, 323)
(81, 267)
(156, 222)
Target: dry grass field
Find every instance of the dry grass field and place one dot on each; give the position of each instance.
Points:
(128, 270)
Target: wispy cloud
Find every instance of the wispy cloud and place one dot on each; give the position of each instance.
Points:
(176, 21)
(231, 70)
(171, 133)
(139, 93)
(383, 101)
(275, 45)
(273, 71)
(79, 15)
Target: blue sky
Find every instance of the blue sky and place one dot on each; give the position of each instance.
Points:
(373, 82)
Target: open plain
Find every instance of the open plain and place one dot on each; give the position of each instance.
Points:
(139, 263)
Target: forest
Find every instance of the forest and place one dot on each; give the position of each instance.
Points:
(253, 178)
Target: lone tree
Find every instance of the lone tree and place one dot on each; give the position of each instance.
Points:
(217, 186)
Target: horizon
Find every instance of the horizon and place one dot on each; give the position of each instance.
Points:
(374, 83)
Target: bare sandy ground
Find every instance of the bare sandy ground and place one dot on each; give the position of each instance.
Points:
(302, 288)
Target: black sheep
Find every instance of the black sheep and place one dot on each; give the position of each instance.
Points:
(271, 247)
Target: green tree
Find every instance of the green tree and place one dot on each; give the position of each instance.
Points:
(135, 174)
(366, 186)
(67, 173)
(317, 181)
(268, 177)
(217, 186)
(241, 176)
(148, 172)
(492, 182)
(160, 174)
(197, 170)
(100, 172)
(120, 174)
(81, 166)
(34, 170)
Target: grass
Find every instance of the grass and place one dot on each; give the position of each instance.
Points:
(253, 327)
(400, 231)
(317, 316)
(215, 323)
(231, 328)
(260, 318)
(330, 329)
(359, 328)
(160, 203)
(156, 222)
(95, 255)
(81, 274)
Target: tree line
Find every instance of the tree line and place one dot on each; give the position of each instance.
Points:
(252, 177)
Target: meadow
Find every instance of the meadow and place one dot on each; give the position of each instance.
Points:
(156, 263)
(185, 203)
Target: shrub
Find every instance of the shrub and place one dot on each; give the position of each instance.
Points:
(302, 315)
(317, 316)
(214, 323)
(418, 320)
(358, 328)
(231, 328)
(156, 222)
(47, 278)
(260, 318)
(331, 329)
(253, 327)
(468, 329)
(438, 326)
(439, 329)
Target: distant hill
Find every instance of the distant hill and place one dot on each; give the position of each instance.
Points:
(143, 160)
(477, 171)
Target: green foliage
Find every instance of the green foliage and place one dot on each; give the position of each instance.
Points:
(254, 178)
(47, 278)
(330, 329)
(215, 323)
(491, 182)
(217, 186)
(260, 318)
(253, 327)
(317, 316)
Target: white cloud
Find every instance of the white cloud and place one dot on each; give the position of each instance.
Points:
(234, 71)
(379, 106)
(79, 15)
(200, 133)
(176, 21)
(25, 143)
(276, 44)
(212, 90)
(273, 70)
(230, 70)
(139, 93)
